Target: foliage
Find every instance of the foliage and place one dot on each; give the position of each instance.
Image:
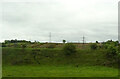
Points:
(17, 41)
(108, 51)
(93, 46)
(97, 42)
(16, 45)
(46, 56)
(104, 46)
(110, 42)
(111, 53)
(24, 46)
(69, 49)
(64, 41)
(4, 45)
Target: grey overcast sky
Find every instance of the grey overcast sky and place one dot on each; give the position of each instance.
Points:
(65, 19)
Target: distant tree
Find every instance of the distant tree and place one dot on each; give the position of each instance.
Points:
(97, 42)
(64, 41)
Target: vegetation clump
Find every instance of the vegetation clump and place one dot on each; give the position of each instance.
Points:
(93, 46)
(24, 46)
(4, 45)
(69, 49)
(107, 53)
(111, 52)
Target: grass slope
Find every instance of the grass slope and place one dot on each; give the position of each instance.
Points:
(18, 62)
(18, 56)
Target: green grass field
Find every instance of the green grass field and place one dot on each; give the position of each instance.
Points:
(59, 71)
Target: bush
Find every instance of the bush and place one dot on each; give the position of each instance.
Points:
(94, 46)
(105, 46)
(69, 49)
(4, 45)
(24, 46)
(111, 53)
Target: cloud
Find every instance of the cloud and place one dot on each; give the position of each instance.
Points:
(65, 19)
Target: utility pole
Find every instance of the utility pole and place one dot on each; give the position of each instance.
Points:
(50, 37)
(83, 40)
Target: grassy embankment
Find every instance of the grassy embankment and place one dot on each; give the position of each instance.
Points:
(44, 62)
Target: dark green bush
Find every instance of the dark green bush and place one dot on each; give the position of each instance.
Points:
(112, 52)
(105, 46)
(69, 49)
(4, 45)
(93, 46)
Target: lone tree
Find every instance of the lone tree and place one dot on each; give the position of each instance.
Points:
(64, 41)
(69, 49)
(97, 42)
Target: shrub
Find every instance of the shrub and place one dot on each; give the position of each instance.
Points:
(4, 45)
(105, 46)
(94, 46)
(69, 49)
(116, 43)
(111, 53)
(24, 46)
